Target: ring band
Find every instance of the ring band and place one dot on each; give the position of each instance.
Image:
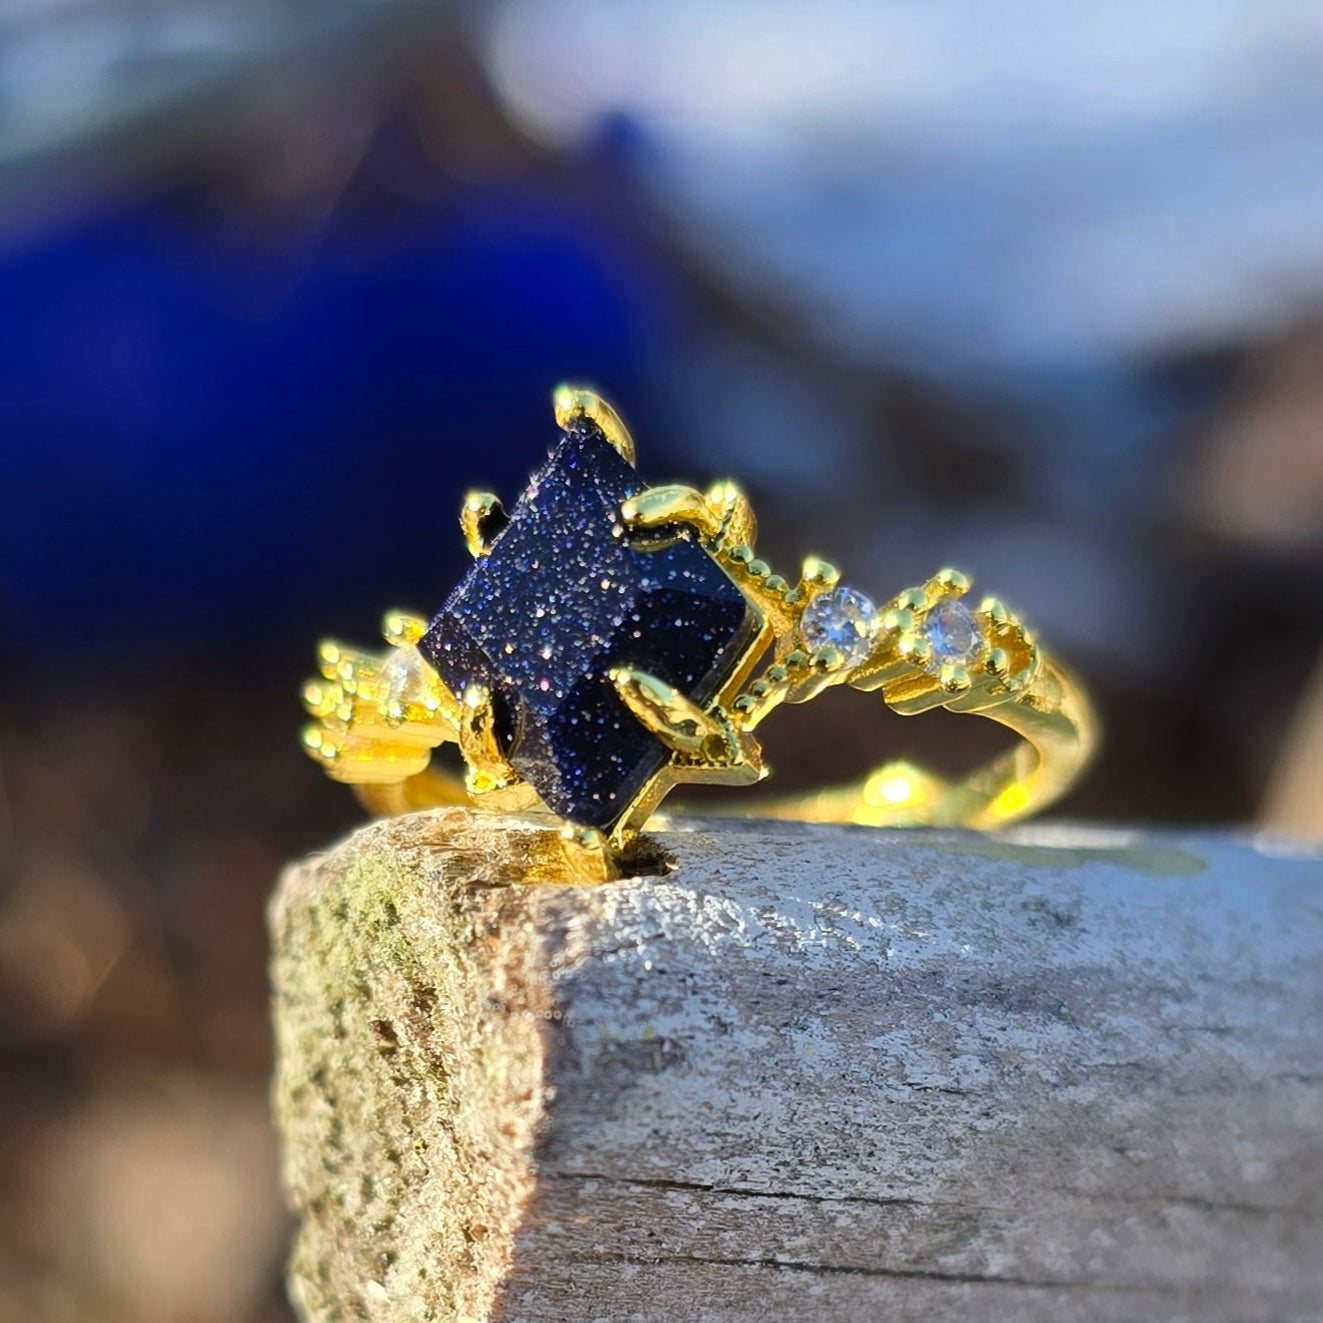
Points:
(612, 640)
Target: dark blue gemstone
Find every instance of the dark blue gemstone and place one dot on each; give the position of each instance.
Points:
(561, 598)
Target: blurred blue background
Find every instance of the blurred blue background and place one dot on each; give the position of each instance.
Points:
(1032, 289)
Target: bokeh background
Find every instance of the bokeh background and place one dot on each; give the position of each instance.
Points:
(1032, 288)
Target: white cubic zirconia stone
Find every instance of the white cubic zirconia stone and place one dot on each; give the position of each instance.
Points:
(403, 677)
(843, 618)
(953, 634)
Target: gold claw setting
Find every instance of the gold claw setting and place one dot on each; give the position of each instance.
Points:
(378, 717)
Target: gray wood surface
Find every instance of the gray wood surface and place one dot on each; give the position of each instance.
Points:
(813, 1073)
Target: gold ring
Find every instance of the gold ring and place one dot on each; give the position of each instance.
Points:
(612, 640)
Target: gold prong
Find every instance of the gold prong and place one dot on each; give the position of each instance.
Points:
(914, 648)
(679, 723)
(401, 630)
(343, 665)
(573, 403)
(328, 659)
(586, 854)
(488, 769)
(946, 585)
(826, 660)
(897, 620)
(998, 664)
(664, 507)
(826, 666)
(994, 611)
(732, 508)
(321, 698)
(954, 679)
(481, 517)
(819, 573)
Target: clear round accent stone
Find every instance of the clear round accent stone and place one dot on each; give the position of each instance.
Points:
(843, 618)
(403, 677)
(953, 635)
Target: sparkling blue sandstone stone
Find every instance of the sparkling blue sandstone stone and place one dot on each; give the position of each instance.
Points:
(563, 596)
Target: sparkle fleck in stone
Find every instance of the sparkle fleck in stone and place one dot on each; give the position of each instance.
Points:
(953, 635)
(843, 618)
(541, 620)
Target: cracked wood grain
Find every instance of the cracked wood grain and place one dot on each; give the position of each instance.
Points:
(812, 1073)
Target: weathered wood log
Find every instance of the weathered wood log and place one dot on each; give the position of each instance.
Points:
(814, 1073)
